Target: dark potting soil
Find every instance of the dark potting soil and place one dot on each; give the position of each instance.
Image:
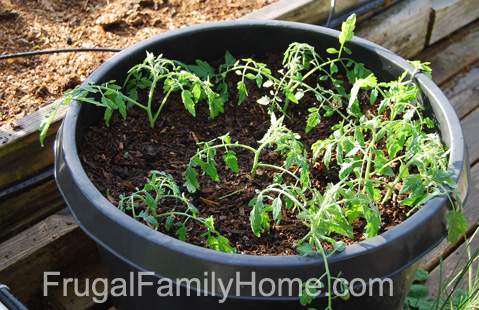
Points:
(119, 158)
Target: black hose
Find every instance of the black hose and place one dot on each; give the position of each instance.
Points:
(332, 10)
(8, 300)
(59, 50)
(360, 10)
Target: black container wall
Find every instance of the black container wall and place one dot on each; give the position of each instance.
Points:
(127, 245)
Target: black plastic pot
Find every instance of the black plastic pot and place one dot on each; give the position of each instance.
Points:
(128, 245)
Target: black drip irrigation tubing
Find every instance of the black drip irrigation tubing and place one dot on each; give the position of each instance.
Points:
(59, 50)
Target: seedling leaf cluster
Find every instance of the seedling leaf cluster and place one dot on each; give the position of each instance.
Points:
(385, 149)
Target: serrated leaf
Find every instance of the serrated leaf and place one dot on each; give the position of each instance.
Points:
(202, 69)
(181, 232)
(346, 169)
(229, 59)
(418, 291)
(210, 169)
(169, 222)
(347, 29)
(373, 219)
(456, 225)
(290, 96)
(196, 91)
(410, 183)
(327, 155)
(373, 96)
(255, 216)
(268, 84)
(231, 161)
(263, 100)
(107, 116)
(421, 275)
(187, 98)
(313, 119)
(304, 249)
(276, 206)
(242, 92)
(191, 179)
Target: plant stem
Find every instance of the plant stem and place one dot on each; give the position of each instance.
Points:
(151, 93)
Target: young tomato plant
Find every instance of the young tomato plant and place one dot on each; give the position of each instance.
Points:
(383, 150)
(144, 205)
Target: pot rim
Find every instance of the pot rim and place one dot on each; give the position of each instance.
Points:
(67, 143)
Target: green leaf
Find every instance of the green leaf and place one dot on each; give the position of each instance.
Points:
(418, 291)
(169, 222)
(333, 68)
(305, 249)
(327, 155)
(373, 219)
(276, 206)
(346, 169)
(410, 183)
(347, 29)
(374, 96)
(231, 161)
(229, 59)
(290, 96)
(210, 169)
(219, 243)
(263, 100)
(191, 179)
(202, 69)
(313, 119)
(107, 116)
(373, 193)
(181, 232)
(255, 216)
(268, 84)
(421, 275)
(456, 225)
(196, 91)
(187, 98)
(242, 92)
(332, 50)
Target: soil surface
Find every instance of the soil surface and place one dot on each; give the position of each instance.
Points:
(29, 83)
(118, 159)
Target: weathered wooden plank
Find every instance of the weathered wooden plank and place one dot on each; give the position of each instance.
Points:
(458, 256)
(470, 126)
(464, 102)
(21, 154)
(57, 300)
(463, 91)
(306, 11)
(21, 210)
(450, 57)
(451, 15)
(451, 266)
(432, 260)
(401, 28)
(56, 243)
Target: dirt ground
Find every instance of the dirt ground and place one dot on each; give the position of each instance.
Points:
(29, 83)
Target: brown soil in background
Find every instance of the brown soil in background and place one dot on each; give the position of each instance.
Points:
(29, 83)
